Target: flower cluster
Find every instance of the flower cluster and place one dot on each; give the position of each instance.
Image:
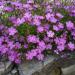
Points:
(31, 30)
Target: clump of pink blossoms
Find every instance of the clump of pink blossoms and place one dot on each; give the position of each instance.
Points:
(32, 31)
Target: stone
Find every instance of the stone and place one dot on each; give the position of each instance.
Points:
(14, 72)
(1, 67)
(5, 67)
(50, 66)
(34, 67)
(69, 70)
(49, 69)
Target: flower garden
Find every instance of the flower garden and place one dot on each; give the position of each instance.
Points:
(31, 30)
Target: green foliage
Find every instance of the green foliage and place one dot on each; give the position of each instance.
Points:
(66, 17)
(25, 29)
(65, 14)
(59, 33)
(5, 20)
(32, 29)
(22, 29)
(38, 11)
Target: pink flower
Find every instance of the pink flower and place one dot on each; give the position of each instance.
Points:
(29, 55)
(61, 47)
(46, 39)
(60, 41)
(25, 46)
(32, 39)
(41, 45)
(71, 46)
(30, 1)
(48, 16)
(51, 18)
(17, 5)
(48, 46)
(12, 19)
(46, 27)
(28, 16)
(3, 49)
(17, 45)
(50, 34)
(56, 28)
(34, 52)
(49, 9)
(19, 21)
(59, 15)
(12, 55)
(36, 20)
(40, 57)
(11, 44)
(69, 25)
(17, 61)
(12, 31)
(40, 29)
(27, 7)
(11, 58)
(9, 9)
(61, 26)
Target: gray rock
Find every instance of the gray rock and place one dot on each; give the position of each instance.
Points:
(49, 67)
(5, 67)
(1, 67)
(34, 67)
(14, 72)
(69, 70)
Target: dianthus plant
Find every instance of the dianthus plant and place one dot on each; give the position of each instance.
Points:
(29, 30)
